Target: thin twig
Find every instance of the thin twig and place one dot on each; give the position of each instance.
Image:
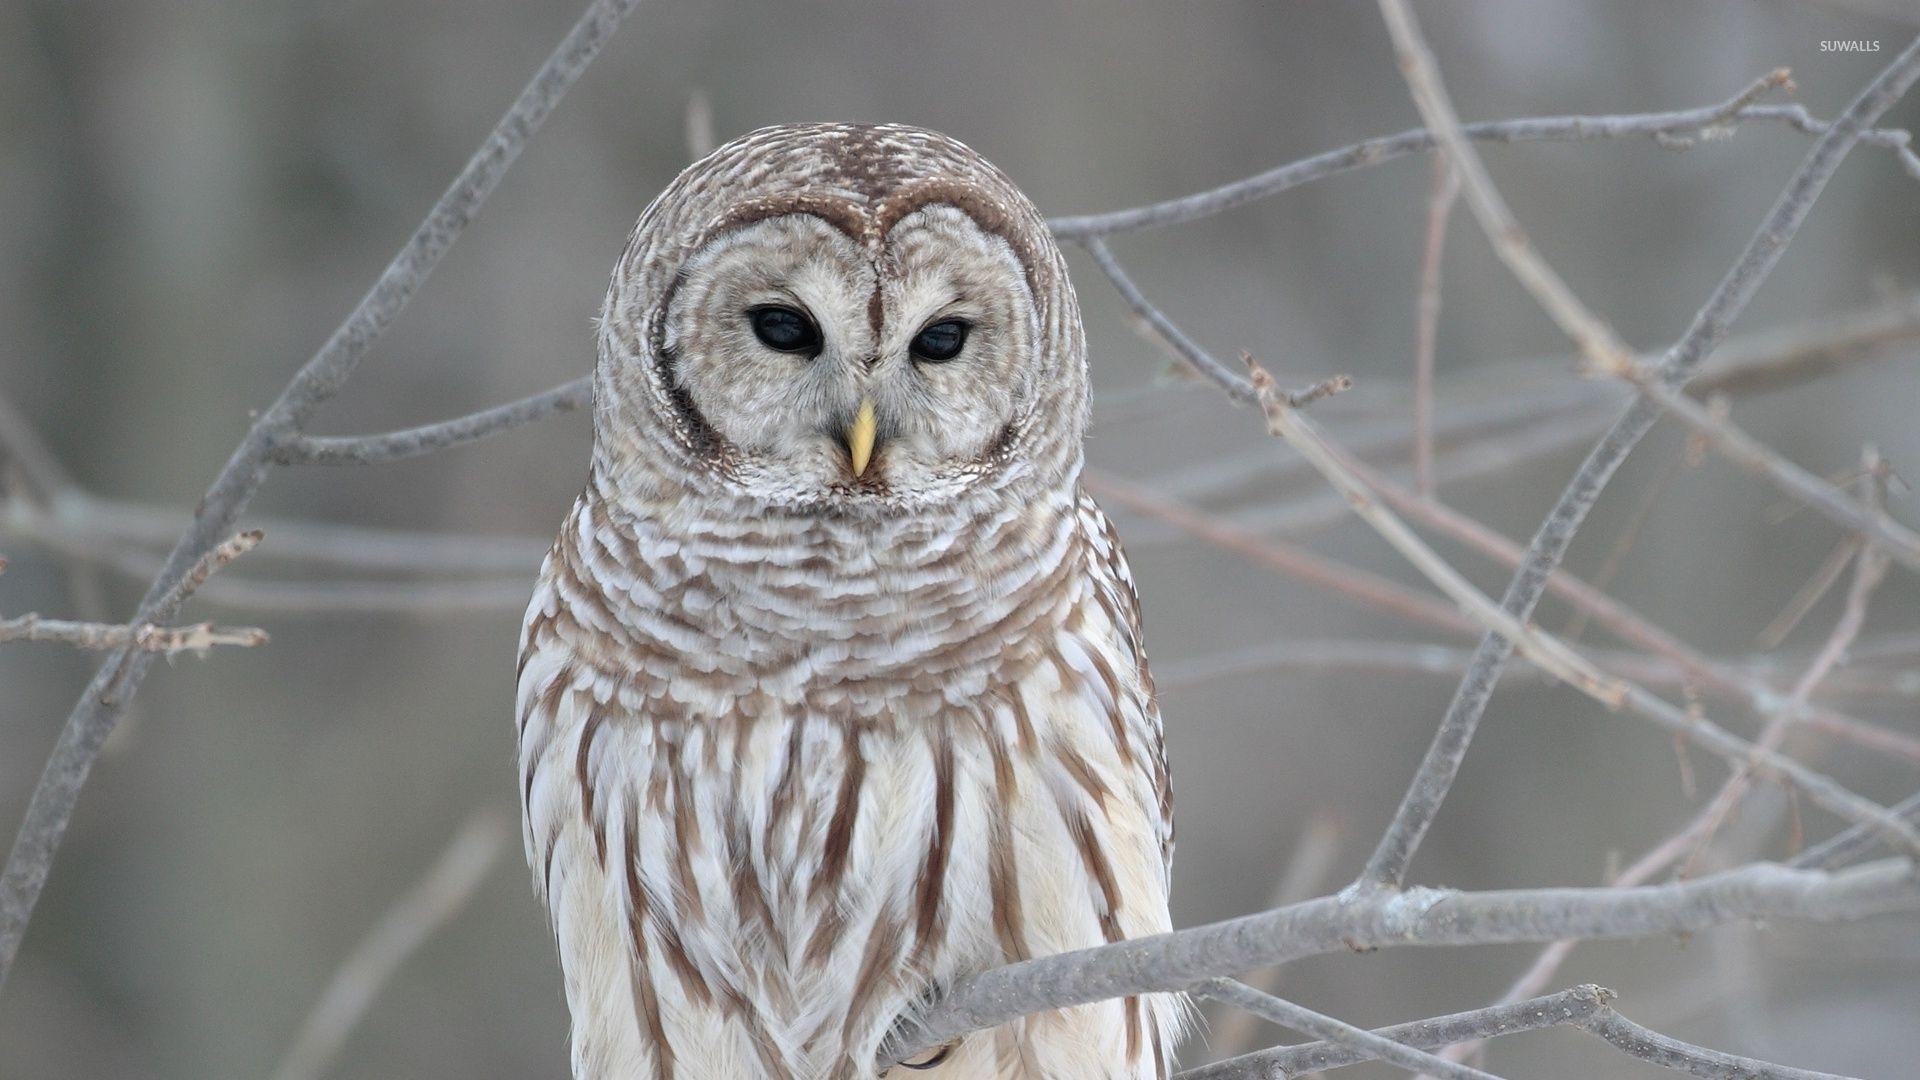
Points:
(431, 903)
(1163, 328)
(316, 382)
(170, 640)
(1843, 846)
(1747, 452)
(1809, 594)
(1587, 1008)
(1670, 127)
(1307, 1022)
(1670, 1053)
(1388, 865)
(1624, 543)
(428, 438)
(1366, 587)
(1566, 1008)
(1442, 194)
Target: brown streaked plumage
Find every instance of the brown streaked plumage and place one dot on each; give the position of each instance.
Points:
(805, 735)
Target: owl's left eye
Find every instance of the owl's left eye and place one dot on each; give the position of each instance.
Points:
(940, 342)
(784, 329)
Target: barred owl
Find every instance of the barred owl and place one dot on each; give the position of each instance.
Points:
(832, 690)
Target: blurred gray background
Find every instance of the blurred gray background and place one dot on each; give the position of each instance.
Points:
(193, 193)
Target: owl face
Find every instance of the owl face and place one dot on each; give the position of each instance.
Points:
(834, 372)
(840, 318)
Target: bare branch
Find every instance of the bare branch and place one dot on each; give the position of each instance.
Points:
(1672, 128)
(316, 382)
(412, 442)
(1308, 1022)
(431, 903)
(1671, 1053)
(1568, 1007)
(170, 640)
(1588, 1008)
(1367, 919)
(146, 636)
(1163, 328)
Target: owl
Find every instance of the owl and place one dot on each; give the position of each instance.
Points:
(832, 691)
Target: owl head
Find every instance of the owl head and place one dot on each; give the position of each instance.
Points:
(840, 318)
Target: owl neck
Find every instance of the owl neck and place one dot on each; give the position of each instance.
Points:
(782, 601)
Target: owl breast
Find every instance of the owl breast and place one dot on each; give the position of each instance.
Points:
(785, 778)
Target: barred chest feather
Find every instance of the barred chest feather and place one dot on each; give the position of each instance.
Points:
(785, 777)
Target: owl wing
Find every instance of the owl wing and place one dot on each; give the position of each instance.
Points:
(1114, 590)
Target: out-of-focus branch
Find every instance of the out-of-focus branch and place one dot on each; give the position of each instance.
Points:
(1844, 846)
(1307, 869)
(1902, 543)
(431, 903)
(1673, 129)
(1593, 336)
(312, 386)
(22, 449)
(1426, 337)
(1367, 919)
(1388, 865)
(1413, 658)
(1363, 586)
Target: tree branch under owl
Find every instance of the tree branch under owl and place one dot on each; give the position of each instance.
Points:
(1362, 920)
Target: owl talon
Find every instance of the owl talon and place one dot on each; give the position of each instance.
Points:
(934, 1059)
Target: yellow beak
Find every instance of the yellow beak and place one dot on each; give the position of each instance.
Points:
(860, 436)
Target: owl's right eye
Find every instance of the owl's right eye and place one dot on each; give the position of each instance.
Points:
(785, 329)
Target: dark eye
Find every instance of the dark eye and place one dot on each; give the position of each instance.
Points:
(940, 342)
(785, 329)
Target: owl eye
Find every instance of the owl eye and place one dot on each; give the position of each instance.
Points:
(940, 342)
(785, 330)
